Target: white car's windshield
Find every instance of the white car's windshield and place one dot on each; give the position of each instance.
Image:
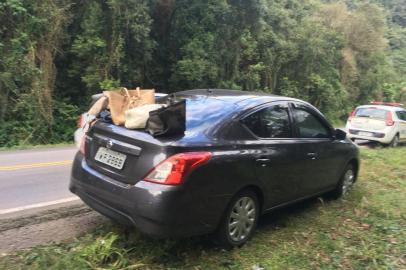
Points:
(371, 113)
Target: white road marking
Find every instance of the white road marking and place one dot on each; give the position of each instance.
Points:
(37, 205)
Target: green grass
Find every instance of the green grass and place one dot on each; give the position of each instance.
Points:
(365, 230)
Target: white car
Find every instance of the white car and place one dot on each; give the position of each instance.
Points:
(381, 122)
(83, 119)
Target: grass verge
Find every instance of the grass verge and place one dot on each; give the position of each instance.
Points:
(365, 230)
(39, 146)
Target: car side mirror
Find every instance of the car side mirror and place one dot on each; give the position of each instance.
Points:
(340, 134)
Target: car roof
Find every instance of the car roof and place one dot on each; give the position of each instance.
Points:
(384, 107)
(238, 97)
(230, 101)
(222, 92)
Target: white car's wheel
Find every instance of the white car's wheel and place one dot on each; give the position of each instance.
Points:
(395, 141)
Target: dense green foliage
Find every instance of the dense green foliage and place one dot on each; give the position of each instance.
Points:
(55, 54)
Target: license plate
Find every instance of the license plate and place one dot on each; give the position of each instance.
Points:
(110, 157)
(368, 134)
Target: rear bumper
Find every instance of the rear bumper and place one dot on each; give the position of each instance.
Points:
(156, 210)
(377, 136)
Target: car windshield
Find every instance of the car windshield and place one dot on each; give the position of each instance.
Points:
(371, 113)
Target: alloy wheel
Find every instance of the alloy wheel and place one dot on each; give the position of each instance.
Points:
(242, 219)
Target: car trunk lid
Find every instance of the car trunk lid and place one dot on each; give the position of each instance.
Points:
(366, 123)
(138, 149)
(370, 118)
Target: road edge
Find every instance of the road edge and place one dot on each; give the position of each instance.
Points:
(43, 214)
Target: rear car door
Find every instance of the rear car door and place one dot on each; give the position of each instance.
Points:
(273, 151)
(318, 153)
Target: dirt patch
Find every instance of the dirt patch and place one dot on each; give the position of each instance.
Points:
(45, 228)
(30, 217)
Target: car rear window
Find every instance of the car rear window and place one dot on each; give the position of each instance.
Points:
(203, 112)
(371, 113)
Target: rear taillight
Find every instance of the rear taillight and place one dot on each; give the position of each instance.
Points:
(389, 120)
(173, 170)
(82, 147)
(352, 115)
(81, 121)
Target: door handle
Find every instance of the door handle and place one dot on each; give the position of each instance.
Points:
(263, 161)
(312, 155)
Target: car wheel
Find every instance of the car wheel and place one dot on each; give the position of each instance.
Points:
(346, 182)
(239, 220)
(395, 141)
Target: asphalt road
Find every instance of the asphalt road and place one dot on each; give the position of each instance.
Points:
(35, 178)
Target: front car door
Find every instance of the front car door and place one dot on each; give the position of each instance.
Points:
(319, 154)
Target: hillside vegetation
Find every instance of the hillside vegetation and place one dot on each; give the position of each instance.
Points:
(365, 230)
(55, 53)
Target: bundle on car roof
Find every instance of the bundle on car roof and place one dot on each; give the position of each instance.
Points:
(137, 109)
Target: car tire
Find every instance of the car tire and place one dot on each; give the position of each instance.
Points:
(346, 182)
(395, 141)
(239, 220)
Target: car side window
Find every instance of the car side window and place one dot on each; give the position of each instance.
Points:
(401, 115)
(270, 122)
(308, 125)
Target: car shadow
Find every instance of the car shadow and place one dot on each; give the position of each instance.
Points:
(368, 144)
(278, 218)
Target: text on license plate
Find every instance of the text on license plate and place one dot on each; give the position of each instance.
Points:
(110, 157)
(364, 133)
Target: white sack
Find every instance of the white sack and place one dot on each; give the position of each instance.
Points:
(138, 116)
